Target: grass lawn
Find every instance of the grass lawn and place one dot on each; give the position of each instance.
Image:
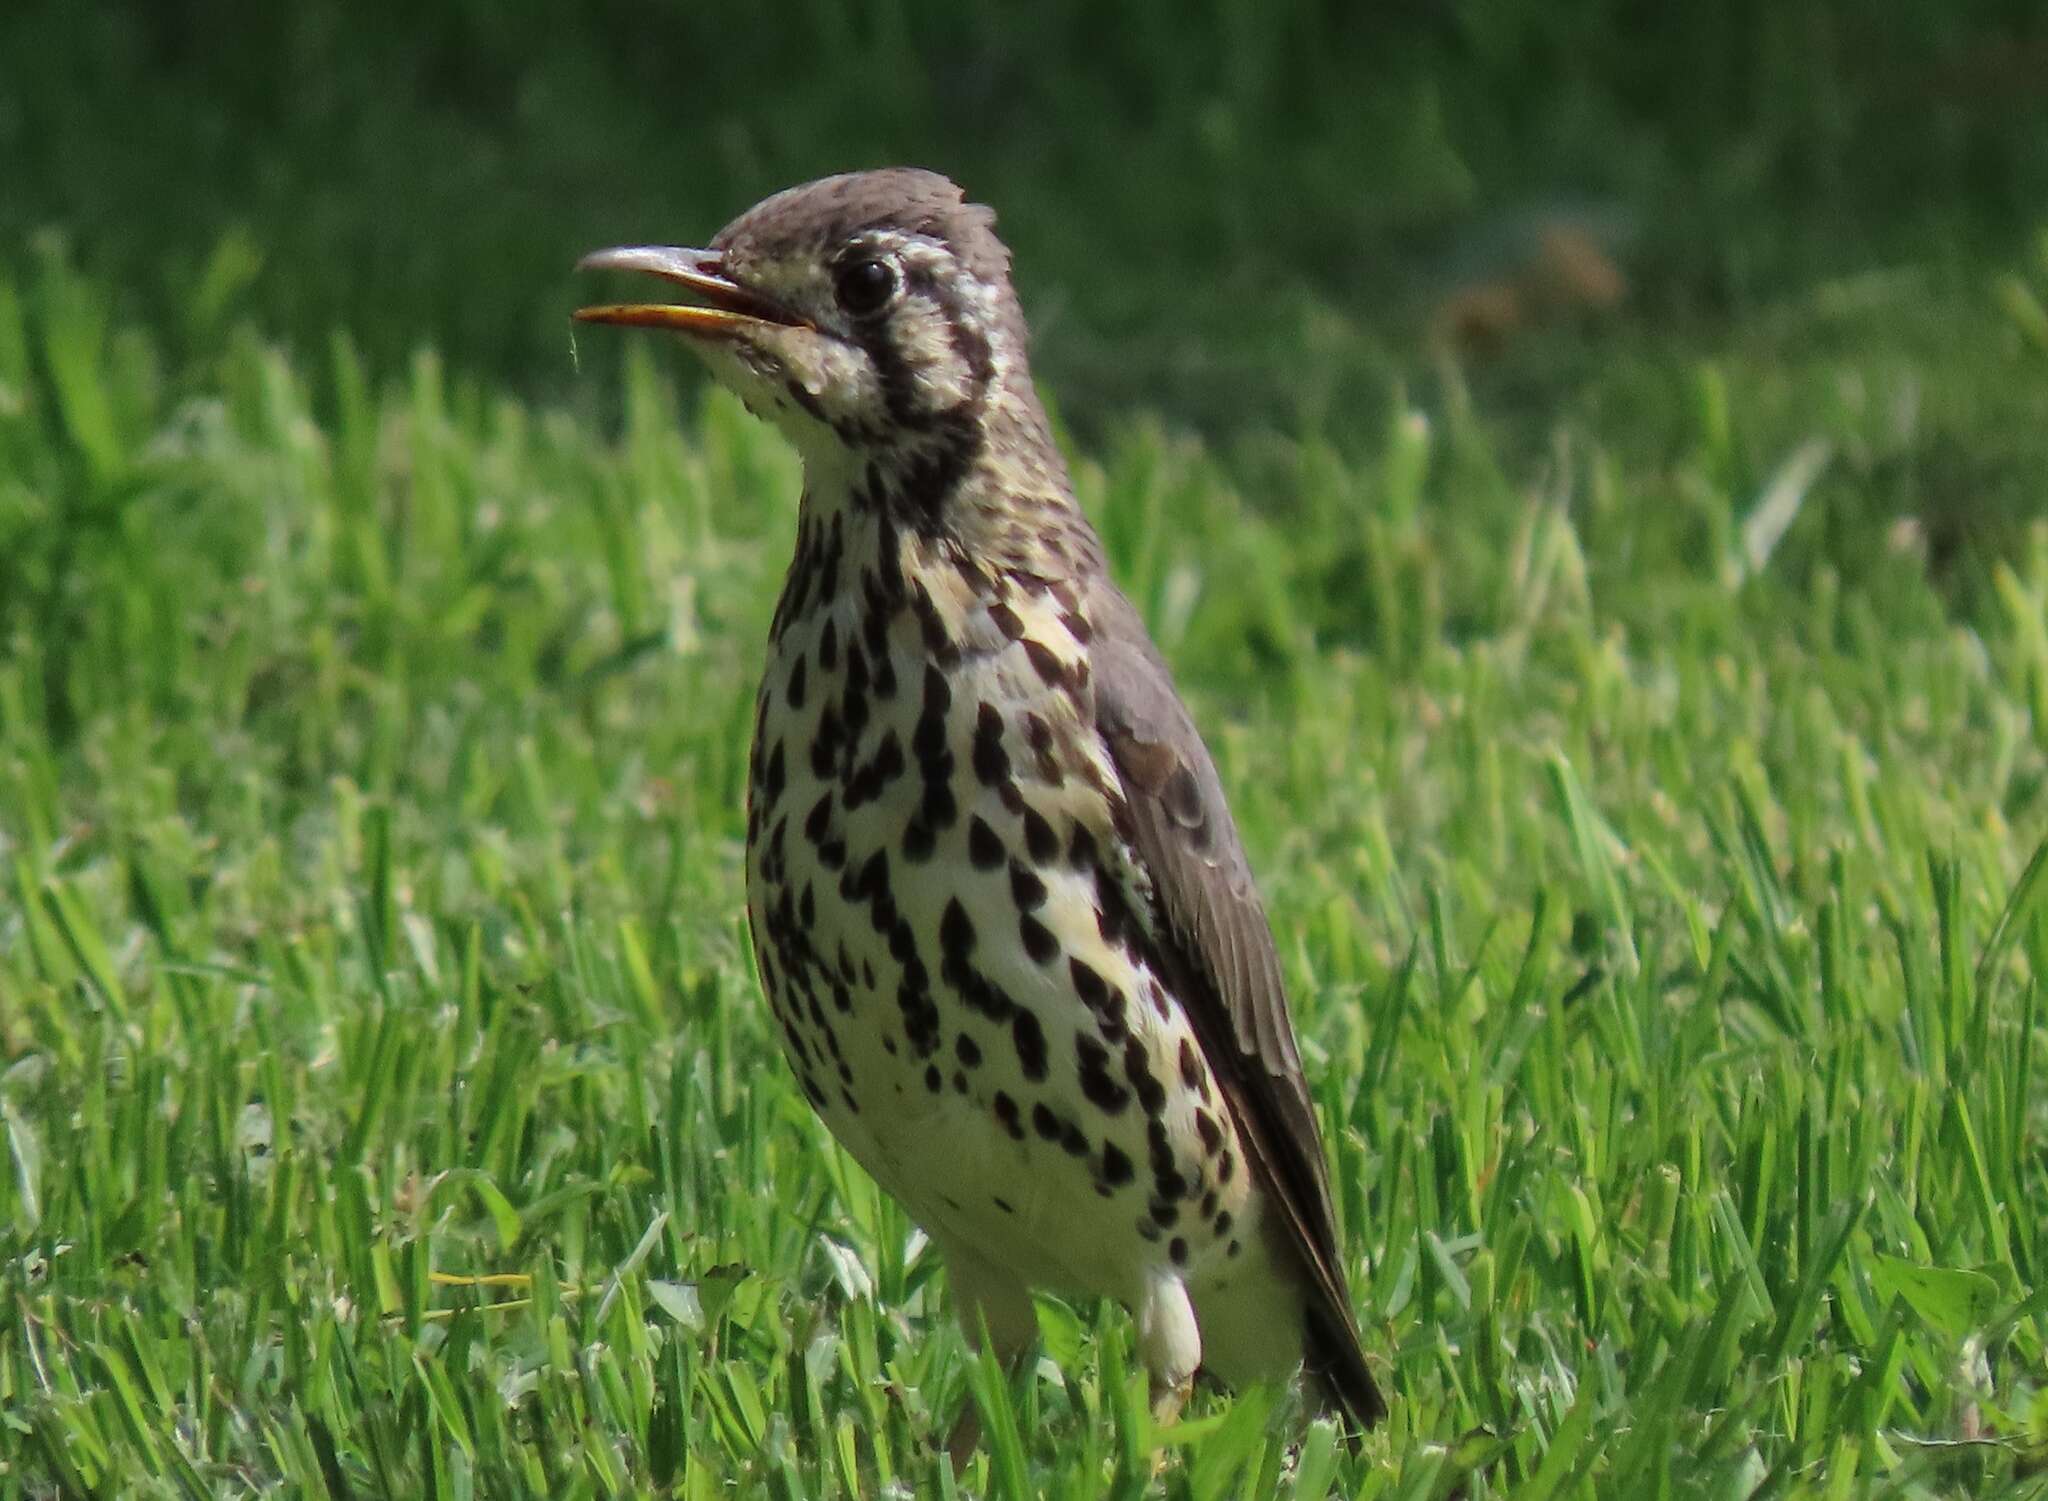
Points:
(1648, 782)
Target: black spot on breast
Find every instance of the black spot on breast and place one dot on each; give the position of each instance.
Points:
(1097, 1086)
(1116, 1165)
(1081, 852)
(938, 643)
(1209, 1131)
(1006, 621)
(819, 819)
(984, 845)
(903, 949)
(1113, 914)
(932, 1079)
(865, 783)
(1077, 626)
(967, 1050)
(829, 560)
(825, 744)
(956, 932)
(1040, 843)
(1226, 1167)
(1138, 1069)
(854, 699)
(888, 759)
(938, 808)
(920, 1024)
(1044, 662)
(867, 879)
(1038, 940)
(918, 841)
(991, 761)
(1165, 1216)
(1223, 1224)
(1038, 735)
(1160, 1145)
(1006, 1112)
(797, 674)
(874, 629)
(1044, 1122)
(883, 916)
(1190, 1064)
(1001, 1203)
(807, 907)
(1111, 1018)
(888, 549)
(1029, 1037)
(828, 646)
(1088, 985)
(928, 743)
(774, 781)
(1177, 1248)
(1026, 889)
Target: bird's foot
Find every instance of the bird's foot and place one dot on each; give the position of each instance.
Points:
(1168, 1398)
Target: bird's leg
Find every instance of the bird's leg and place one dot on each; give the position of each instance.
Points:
(965, 1437)
(986, 1298)
(1170, 1344)
(1168, 1398)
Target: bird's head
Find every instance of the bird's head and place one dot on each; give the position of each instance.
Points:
(869, 312)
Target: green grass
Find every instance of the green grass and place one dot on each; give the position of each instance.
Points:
(1648, 797)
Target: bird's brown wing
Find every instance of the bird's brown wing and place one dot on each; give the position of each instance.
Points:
(1219, 949)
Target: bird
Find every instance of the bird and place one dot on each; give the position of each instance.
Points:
(1002, 916)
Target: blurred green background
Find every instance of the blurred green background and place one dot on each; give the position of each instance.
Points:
(1219, 209)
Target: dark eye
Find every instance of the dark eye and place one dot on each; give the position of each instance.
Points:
(864, 286)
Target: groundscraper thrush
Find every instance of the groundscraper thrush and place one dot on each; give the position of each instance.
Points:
(1001, 912)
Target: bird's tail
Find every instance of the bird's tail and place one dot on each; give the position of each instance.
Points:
(1336, 1360)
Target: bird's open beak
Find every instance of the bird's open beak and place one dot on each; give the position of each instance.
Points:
(729, 309)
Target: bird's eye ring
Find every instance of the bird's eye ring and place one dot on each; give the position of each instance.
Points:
(864, 287)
